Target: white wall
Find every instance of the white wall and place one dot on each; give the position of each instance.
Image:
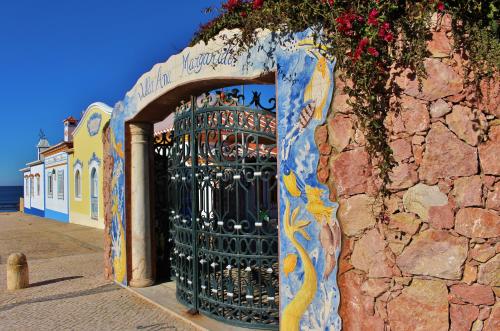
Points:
(26, 183)
(55, 163)
(37, 200)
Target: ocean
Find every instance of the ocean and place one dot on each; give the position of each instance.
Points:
(9, 198)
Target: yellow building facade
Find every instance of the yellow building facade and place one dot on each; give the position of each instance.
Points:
(86, 167)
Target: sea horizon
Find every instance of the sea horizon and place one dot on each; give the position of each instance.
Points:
(9, 197)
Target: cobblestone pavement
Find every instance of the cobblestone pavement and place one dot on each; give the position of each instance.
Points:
(68, 291)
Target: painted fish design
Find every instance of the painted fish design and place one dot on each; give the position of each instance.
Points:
(329, 238)
(293, 312)
(317, 90)
(316, 94)
(289, 263)
(316, 206)
(330, 235)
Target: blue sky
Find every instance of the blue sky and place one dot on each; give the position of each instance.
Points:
(59, 56)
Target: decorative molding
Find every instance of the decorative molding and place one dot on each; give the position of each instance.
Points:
(78, 163)
(94, 124)
(141, 129)
(62, 147)
(95, 159)
(61, 157)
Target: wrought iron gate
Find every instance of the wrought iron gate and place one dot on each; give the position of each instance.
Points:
(224, 211)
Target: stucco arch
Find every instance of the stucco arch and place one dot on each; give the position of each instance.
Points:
(161, 107)
(197, 69)
(156, 93)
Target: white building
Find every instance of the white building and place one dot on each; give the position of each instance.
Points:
(34, 184)
(56, 179)
(56, 162)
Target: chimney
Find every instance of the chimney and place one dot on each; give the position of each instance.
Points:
(69, 126)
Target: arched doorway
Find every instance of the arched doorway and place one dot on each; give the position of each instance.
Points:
(304, 85)
(94, 194)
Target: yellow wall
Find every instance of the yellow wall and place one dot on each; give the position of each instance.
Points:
(84, 146)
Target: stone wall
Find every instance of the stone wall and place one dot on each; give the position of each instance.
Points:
(431, 261)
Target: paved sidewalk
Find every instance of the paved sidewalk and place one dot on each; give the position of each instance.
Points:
(68, 291)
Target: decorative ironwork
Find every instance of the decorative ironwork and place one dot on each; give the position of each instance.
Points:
(224, 216)
(256, 101)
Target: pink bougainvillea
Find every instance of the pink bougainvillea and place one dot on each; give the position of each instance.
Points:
(257, 4)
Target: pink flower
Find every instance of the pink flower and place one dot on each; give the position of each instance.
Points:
(359, 50)
(357, 54)
(384, 33)
(230, 5)
(363, 42)
(257, 4)
(440, 6)
(372, 17)
(372, 51)
(344, 22)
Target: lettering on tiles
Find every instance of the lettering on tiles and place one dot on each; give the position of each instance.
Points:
(152, 84)
(224, 56)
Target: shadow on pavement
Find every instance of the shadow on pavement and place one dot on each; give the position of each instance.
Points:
(55, 280)
(100, 289)
(156, 327)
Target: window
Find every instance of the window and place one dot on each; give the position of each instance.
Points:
(94, 183)
(38, 186)
(31, 186)
(26, 188)
(94, 199)
(78, 184)
(50, 181)
(60, 184)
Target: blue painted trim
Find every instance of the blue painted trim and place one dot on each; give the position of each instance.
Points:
(67, 188)
(78, 162)
(34, 211)
(43, 175)
(95, 158)
(58, 216)
(31, 183)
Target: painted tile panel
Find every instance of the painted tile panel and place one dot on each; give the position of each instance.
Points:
(309, 229)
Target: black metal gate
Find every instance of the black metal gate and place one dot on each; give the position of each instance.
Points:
(224, 210)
